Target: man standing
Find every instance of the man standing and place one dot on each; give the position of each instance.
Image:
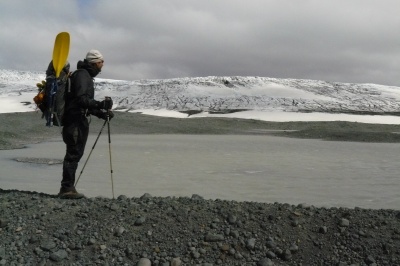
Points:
(80, 103)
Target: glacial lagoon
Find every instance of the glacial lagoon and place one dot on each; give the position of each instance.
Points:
(229, 167)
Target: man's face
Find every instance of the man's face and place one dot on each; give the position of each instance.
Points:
(100, 64)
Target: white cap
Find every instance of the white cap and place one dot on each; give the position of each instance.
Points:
(94, 56)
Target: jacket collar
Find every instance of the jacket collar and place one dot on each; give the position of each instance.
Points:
(93, 71)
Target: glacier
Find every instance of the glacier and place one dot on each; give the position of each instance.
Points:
(230, 96)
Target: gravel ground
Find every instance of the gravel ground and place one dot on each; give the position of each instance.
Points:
(40, 229)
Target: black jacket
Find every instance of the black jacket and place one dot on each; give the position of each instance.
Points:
(81, 100)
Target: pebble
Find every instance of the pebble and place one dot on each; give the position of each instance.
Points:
(251, 243)
(48, 245)
(270, 254)
(344, 223)
(140, 221)
(59, 255)
(195, 254)
(144, 262)
(265, 262)
(176, 262)
(119, 231)
(213, 237)
(234, 234)
(146, 196)
(323, 229)
(3, 223)
(197, 197)
(122, 198)
(114, 207)
(232, 219)
(294, 248)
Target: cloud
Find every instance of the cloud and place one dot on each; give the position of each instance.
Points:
(346, 41)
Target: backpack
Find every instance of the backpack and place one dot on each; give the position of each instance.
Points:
(52, 95)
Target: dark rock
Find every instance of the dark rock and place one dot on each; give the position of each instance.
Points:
(2, 252)
(294, 248)
(59, 255)
(48, 245)
(270, 254)
(234, 234)
(3, 223)
(122, 198)
(250, 244)
(286, 255)
(369, 260)
(114, 207)
(232, 219)
(265, 262)
(197, 197)
(146, 196)
(213, 237)
(176, 262)
(144, 262)
(271, 244)
(344, 223)
(119, 231)
(323, 229)
(140, 221)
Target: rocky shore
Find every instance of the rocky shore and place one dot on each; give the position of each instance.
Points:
(41, 229)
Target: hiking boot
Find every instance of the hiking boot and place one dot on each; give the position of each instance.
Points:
(70, 194)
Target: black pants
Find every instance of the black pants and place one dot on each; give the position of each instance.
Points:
(75, 134)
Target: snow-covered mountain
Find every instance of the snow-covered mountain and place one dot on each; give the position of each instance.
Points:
(222, 94)
(254, 93)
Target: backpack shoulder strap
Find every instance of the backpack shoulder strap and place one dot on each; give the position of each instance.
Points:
(69, 84)
(72, 76)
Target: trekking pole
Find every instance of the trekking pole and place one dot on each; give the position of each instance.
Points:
(94, 145)
(109, 150)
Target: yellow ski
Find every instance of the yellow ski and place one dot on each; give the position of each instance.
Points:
(60, 52)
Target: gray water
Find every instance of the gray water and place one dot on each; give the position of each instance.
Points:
(244, 168)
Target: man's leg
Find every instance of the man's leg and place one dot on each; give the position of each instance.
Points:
(75, 137)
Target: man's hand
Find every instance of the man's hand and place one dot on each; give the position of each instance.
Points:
(106, 104)
(106, 115)
(110, 115)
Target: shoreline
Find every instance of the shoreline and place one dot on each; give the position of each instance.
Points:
(20, 129)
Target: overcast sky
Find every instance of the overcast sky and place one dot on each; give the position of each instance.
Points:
(332, 40)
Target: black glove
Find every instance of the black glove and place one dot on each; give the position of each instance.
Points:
(106, 104)
(110, 114)
(105, 115)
